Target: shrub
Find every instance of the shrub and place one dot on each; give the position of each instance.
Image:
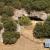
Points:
(47, 28)
(27, 4)
(48, 18)
(40, 5)
(13, 3)
(17, 4)
(9, 25)
(38, 31)
(3, 19)
(1, 26)
(10, 37)
(24, 20)
(7, 11)
(1, 7)
(5, 15)
(47, 10)
(42, 30)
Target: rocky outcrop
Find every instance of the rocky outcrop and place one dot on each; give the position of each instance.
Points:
(19, 13)
(40, 14)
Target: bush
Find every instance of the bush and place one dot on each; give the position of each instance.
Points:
(24, 20)
(4, 15)
(1, 26)
(1, 7)
(7, 11)
(38, 31)
(48, 18)
(42, 30)
(10, 37)
(40, 5)
(10, 25)
(47, 28)
(17, 4)
(47, 10)
(29, 5)
(13, 3)
(3, 19)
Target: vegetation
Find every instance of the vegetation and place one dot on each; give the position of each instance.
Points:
(24, 20)
(42, 30)
(9, 25)
(7, 11)
(1, 7)
(48, 18)
(38, 31)
(40, 5)
(47, 28)
(3, 19)
(1, 26)
(10, 37)
(29, 5)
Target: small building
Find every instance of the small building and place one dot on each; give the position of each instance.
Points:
(47, 43)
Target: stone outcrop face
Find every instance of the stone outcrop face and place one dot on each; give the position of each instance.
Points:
(19, 13)
(40, 14)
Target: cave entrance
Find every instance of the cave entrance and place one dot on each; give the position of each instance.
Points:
(35, 18)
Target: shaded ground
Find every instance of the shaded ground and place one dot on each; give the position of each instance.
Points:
(26, 41)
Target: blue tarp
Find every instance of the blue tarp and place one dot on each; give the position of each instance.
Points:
(47, 43)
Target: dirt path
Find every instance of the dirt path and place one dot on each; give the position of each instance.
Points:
(23, 44)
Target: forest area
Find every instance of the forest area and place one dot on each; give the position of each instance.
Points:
(28, 5)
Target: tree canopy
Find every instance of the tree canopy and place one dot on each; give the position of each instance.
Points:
(29, 5)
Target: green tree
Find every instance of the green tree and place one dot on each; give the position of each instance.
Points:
(24, 20)
(10, 25)
(7, 11)
(17, 4)
(40, 5)
(48, 18)
(1, 7)
(27, 4)
(42, 30)
(13, 3)
(10, 37)
(1, 26)
(38, 31)
(47, 28)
